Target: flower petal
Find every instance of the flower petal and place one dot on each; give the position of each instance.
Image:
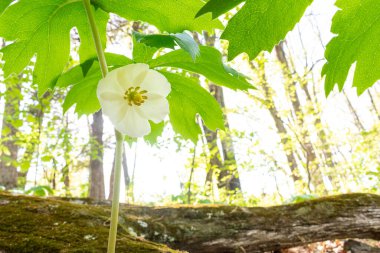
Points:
(154, 109)
(131, 75)
(115, 110)
(156, 83)
(133, 124)
(109, 84)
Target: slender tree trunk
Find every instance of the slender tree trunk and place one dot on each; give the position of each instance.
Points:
(8, 158)
(228, 176)
(96, 158)
(373, 103)
(286, 140)
(357, 121)
(312, 164)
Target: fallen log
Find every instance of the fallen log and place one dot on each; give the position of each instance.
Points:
(26, 221)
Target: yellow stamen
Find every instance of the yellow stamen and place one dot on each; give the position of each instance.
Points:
(135, 96)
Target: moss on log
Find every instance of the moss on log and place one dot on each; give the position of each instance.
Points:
(30, 224)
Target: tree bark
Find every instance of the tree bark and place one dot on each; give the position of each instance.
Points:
(286, 140)
(205, 229)
(96, 158)
(8, 159)
(228, 174)
(312, 164)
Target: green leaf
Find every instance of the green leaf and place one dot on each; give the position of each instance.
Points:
(4, 4)
(183, 40)
(83, 90)
(156, 131)
(261, 24)
(186, 100)
(83, 93)
(358, 27)
(209, 64)
(142, 52)
(167, 15)
(218, 7)
(42, 28)
(151, 138)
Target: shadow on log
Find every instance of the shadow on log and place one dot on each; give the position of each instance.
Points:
(29, 224)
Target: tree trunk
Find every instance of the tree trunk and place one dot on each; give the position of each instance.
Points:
(96, 158)
(58, 226)
(228, 174)
(8, 157)
(355, 115)
(312, 164)
(373, 103)
(286, 140)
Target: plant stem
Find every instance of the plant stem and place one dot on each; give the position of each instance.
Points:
(96, 37)
(119, 136)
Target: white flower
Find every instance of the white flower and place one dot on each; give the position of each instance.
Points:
(131, 96)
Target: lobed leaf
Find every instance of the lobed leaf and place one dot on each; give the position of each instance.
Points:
(358, 27)
(42, 29)
(167, 15)
(209, 64)
(261, 24)
(186, 100)
(218, 7)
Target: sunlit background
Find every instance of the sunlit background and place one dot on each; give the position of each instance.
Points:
(161, 173)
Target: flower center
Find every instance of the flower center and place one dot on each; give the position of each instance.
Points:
(135, 96)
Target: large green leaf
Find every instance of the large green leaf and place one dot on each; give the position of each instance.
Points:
(261, 24)
(183, 40)
(218, 7)
(358, 27)
(42, 28)
(83, 91)
(4, 4)
(186, 100)
(166, 15)
(209, 64)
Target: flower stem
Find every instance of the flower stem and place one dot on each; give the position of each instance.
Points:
(119, 136)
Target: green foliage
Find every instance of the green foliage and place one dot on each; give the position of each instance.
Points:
(183, 40)
(209, 64)
(358, 27)
(167, 15)
(218, 7)
(40, 191)
(187, 99)
(42, 28)
(261, 24)
(300, 198)
(4, 4)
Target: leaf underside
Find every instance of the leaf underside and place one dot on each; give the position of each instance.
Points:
(357, 25)
(261, 24)
(218, 7)
(167, 15)
(186, 100)
(42, 29)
